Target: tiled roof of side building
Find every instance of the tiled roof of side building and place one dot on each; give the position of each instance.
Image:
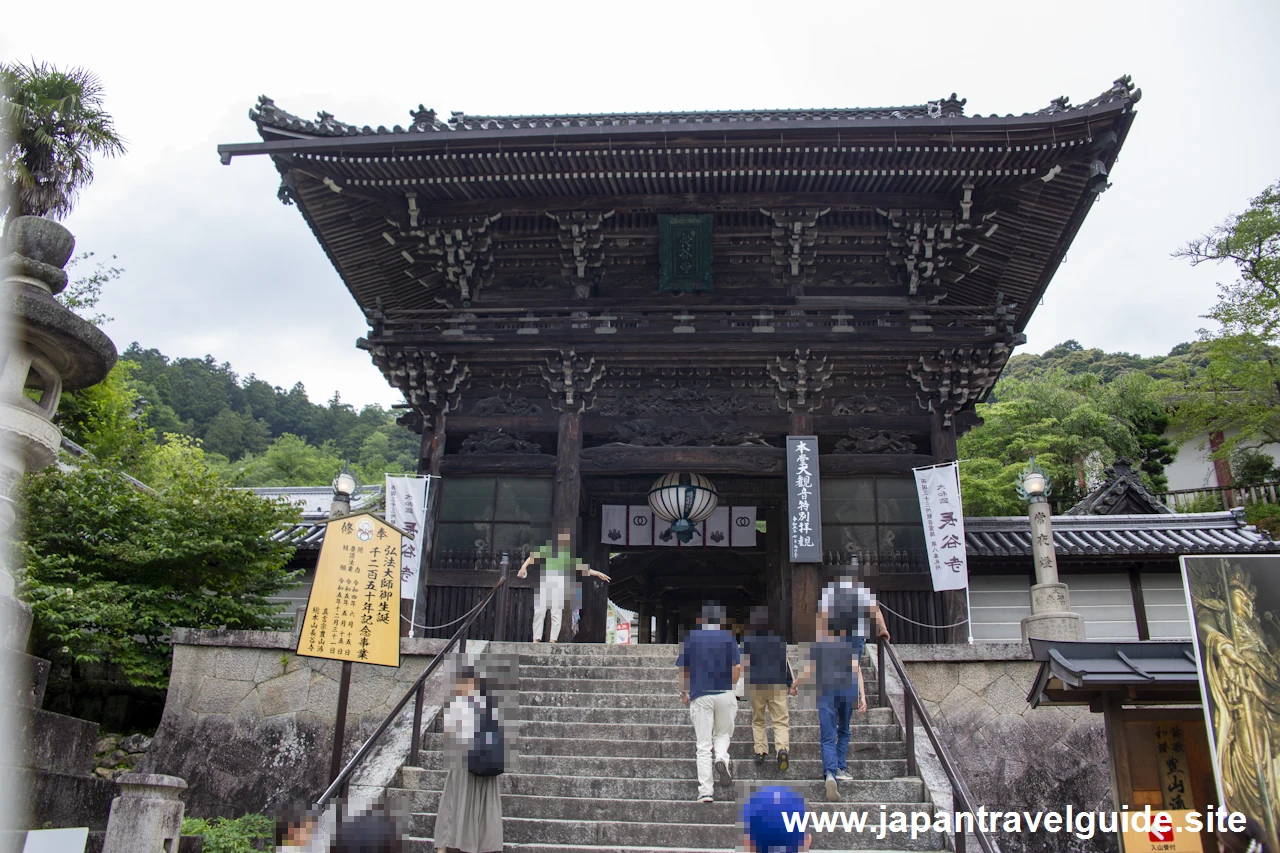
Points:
(1114, 535)
(273, 119)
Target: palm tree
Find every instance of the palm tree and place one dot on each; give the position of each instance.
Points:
(51, 124)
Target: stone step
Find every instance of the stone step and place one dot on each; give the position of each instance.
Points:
(683, 732)
(621, 669)
(663, 683)
(683, 768)
(607, 835)
(424, 803)
(861, 791)
(681, 747)
(554, 707)
(427, 845)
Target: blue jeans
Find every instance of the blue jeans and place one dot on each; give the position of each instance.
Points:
(834, 710)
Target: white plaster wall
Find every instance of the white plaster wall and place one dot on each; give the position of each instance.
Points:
(1192, 468)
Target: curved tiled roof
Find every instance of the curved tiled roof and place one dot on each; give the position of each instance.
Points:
(270, 118)
(1118, 535)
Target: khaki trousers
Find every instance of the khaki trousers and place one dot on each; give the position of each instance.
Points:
(773, 697)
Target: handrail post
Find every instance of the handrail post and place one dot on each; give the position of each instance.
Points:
(500, 614)
(910, 732)
(883, 676)
(417, 723)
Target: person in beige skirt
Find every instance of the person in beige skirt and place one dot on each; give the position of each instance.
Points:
(469, 818)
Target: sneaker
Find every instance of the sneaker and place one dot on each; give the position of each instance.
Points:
(843, 776)
(784, 760)
(761, 756)
(833, 790)
(704, 798)
(724, 774)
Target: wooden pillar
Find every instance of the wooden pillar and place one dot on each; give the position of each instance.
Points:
(776, 579)
(673, 626)
(806, 578)
(943, 439)
(430, 452)
(567, 496)
(646, 626)
(660, 617)
(594, 626)
(1118, 747)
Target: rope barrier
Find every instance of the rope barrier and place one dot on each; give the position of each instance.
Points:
(924, 624)
(445, 625)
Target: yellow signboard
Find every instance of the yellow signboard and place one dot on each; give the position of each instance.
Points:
(353, 613)
(1174, 834)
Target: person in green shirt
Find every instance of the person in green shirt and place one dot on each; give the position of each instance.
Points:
(557, 566)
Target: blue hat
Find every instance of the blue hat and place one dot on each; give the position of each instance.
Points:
(762, 818)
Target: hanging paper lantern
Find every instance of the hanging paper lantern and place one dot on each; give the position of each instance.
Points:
(684, 500)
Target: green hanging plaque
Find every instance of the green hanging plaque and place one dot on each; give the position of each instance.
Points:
(684, 253)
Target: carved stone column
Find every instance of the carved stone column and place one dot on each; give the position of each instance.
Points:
(45, 349)
(1051, 615)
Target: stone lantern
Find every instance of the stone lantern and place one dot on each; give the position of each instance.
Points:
(46, 349)
(1051, 615)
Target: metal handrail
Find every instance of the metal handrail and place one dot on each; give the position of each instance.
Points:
(962, 800)
(417, 690)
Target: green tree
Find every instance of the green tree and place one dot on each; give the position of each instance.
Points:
(289, 461)
(1072, 425)
(110, 421)
(83, 293)
(1237, 392)
(110, 568)
(54, 125)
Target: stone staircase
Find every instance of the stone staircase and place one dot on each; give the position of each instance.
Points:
(607, 763)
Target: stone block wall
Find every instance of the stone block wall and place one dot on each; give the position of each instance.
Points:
(249, 724)
(1010, 755)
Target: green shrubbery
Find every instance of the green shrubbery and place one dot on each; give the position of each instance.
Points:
(225, 835)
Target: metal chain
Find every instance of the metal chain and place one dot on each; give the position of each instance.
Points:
(924, 624)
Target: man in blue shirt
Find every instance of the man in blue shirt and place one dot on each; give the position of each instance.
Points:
(710, 665)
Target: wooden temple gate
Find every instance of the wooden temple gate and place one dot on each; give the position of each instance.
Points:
(575, 305)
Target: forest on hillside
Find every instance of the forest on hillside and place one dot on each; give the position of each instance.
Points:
(254, 433)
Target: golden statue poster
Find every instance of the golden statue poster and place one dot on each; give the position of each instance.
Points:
(1235, 608)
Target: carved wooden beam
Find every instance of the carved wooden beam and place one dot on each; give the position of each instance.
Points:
(704, 460)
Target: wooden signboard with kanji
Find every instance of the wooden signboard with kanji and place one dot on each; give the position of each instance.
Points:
(353, 612)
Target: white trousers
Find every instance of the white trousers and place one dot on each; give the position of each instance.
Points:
(713, 717)
(550, 595)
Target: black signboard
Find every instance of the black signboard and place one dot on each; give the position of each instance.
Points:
(804, 506)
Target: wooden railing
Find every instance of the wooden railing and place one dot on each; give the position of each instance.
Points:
(477, 559)
(1226, 497)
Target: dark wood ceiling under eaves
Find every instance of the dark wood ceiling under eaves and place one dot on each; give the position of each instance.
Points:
(350, 194)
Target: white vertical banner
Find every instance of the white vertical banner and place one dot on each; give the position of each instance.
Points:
(407, 509)
(939, 489)
(639, 525)
(613, 525)
(718, 528)
(742, 527)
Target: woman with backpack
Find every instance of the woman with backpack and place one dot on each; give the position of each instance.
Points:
(469, 818)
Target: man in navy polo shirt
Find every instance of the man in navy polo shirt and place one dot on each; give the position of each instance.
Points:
(710, 665)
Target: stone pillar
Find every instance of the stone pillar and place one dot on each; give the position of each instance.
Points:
(1051, 616)
(147, 816)
(44, 349)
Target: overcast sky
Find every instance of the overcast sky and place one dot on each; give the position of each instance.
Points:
(215, 264)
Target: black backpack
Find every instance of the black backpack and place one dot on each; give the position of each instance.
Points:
(846, 616)
(485, 758)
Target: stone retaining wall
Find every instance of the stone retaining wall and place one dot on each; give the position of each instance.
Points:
(1010, 756)
(249, 724)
